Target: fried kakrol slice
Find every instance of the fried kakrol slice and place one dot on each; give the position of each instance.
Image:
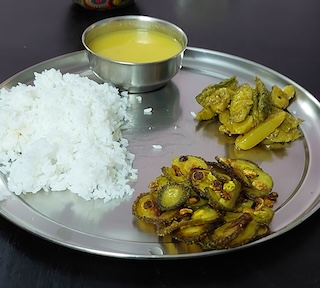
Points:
(221, 236)
(222, 195)
(195, 201)
(257, 208)
(201, 179)
(232, 216)
(238, 174)
(263, 231)
(172, 195)
(164, 229)
(264, 215)
(248, 234)
(157, 183)
(189, 218)
(226, 198)
(187, 162)
(270, 199)
(174, 174)
(260, 182)
(205, 214)
(222, 173)
(145, 208)
(191, 234)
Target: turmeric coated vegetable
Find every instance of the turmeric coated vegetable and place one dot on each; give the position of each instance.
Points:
(214, 204)
(254, 115)
(257, 183)
(172, 195)
(254, 136)
(241, 103)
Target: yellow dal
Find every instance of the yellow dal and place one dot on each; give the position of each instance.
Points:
(136, 46)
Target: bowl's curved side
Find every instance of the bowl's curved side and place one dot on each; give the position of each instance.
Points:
(134, 77)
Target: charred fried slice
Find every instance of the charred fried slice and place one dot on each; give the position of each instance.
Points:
(222, 195)
(270, 199)
(189, 218)
(195, 201)
(231, 216)
(222, 173)
(221, 236)
(226, 198)
(264, 215)
(260, 212)
(172, 195)
(238, 174)
(263, 231)
(187, 162)
(166, 229)
(205, 214)
(201, 179)
(248, 234)
(146, 209)
(261, 182)
(156, 184)
(174, 174)
(191, 234)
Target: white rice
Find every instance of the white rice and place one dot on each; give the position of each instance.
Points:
(157, 147)
(64, 133)
(147, 111)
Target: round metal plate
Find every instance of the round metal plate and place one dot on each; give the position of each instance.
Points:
(109, 229)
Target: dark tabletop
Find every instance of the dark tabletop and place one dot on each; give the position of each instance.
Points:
(283, 35)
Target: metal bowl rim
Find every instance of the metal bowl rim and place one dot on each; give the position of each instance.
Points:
(139, 18)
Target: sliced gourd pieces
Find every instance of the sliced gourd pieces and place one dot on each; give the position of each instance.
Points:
(253, 114)
(216, 205)
(172, 195)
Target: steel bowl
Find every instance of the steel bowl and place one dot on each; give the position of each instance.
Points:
(134, 77)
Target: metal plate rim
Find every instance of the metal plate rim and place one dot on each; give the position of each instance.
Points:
(118, 254)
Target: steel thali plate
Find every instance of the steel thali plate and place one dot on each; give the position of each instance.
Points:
(109, 229)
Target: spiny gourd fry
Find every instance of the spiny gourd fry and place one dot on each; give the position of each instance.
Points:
(214, 204)
(254, 115)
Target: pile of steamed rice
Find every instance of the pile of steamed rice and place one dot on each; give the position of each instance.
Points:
(64, 133)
